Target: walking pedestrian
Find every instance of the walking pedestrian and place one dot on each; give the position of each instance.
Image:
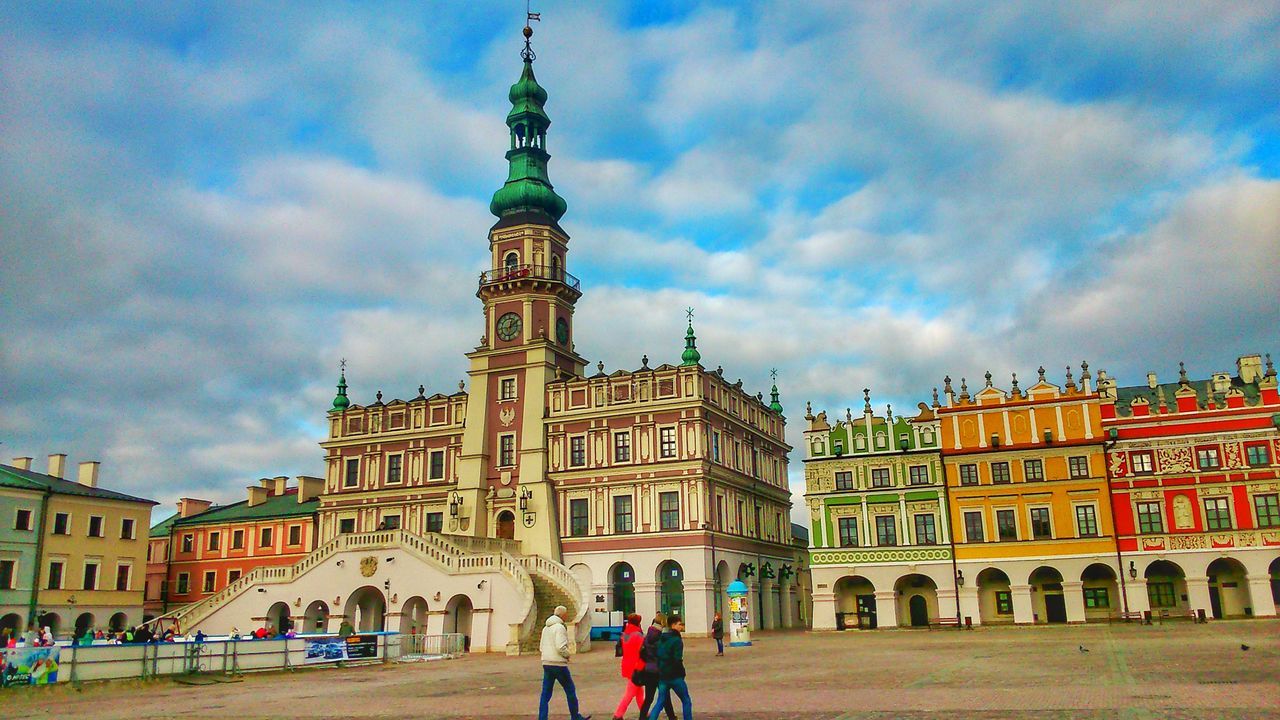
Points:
(632, 641)
(555, 665)
(649, 675)
(671, 668)
(717, 632)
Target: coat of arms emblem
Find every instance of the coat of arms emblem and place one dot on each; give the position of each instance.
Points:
(369, 566)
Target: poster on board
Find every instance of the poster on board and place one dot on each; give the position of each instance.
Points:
(30, 666)
(331, 648)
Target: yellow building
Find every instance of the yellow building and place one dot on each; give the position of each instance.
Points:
(93, 557)
(1034, 540)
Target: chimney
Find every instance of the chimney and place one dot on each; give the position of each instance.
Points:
(191, 506)
(1249, 368)
(22, 463)
(258, 494)
(57, 465)
(309, 488)
(88, 473)
(279, 485)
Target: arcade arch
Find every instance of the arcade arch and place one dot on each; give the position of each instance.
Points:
(366, 609)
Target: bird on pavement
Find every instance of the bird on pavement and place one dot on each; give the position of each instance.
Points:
(1084, 649)
(1243, 646)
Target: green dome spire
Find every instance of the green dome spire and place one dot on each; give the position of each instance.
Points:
(690, 356)
(527, 189)
(340, 402)
(775, 405)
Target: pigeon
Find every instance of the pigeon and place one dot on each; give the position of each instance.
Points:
(1243, 646)
(1084, 649)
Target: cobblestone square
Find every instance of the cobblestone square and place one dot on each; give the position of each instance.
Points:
(1170, 671)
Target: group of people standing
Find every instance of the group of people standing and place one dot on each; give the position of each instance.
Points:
(652, 665)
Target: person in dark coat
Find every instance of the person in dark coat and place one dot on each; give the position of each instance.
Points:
(648, 677)
(671, 668)
(717, 632)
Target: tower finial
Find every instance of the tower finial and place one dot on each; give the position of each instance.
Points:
(529, 17)
(775, 405)
(340, 401)
(690, 356)
(866, 400)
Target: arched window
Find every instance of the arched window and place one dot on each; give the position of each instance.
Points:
(511, 261)
(555, 268)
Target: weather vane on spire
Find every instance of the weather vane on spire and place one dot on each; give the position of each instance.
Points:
(342, 364)
(527, 53)
(774, 375)
(689, 311)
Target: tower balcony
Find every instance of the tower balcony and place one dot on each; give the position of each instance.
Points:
(516, 273)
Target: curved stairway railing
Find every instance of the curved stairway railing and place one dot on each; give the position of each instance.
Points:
(564, 579)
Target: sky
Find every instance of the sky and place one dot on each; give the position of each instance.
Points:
(204, 206)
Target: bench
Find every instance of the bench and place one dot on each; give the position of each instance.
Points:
(947, 622)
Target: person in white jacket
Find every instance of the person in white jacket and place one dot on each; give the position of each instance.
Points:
(555, 664)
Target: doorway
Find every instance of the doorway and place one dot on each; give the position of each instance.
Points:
(866, 612)
(506, 525)
(1215, 601)
(1055, 608)
(919, 608)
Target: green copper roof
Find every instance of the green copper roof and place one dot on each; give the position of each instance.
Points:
(276, 506)
(340, 402)
(775, 406)
(690, 356)
(13, 477)
(528, 187)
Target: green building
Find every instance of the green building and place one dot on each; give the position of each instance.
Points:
(880, 553)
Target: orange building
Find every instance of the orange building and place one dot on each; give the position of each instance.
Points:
(1025, 469)
(206, 551)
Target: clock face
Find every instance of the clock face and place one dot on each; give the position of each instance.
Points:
(509, 326)
(562, 331)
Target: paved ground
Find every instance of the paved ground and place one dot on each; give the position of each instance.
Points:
(1171, 671)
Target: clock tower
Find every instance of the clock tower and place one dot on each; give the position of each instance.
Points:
(529, 299)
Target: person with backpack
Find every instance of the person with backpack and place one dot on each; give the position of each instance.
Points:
(671, 668)
(648, 675)
(629, 643)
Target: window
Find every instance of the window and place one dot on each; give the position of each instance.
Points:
(232, 576)
(209, 579)
(295, 533)
(1160, 594)
(352, 477)
(622, 447)
(1006, 525)
(188, 543)
(55, 574)
(435, 522)
(926, 532)
(1096, 597)
(389, 522)
(1217, 514)
(622, 514)
(1034, 469)
(715, 446)
(90, 576)
(1004, 602)
(95, 526)
(507, 389)
(886, 530)
(184, 583)
(578, 517)
(436, 471)
(1141, 463)
(848, 531)
(1149, 518)
(844, 480)
(968, 474)
(126, 528)
(669, 510)
(1078, 467)
(507, 450)
(61, 523)
(880, 477)
(215, 539)
(1000, 472)
(918, 475)
(1207, 458)
(23, 520)
(667, 442)
(264, 537)
(1041, 528)
(7, 568)
(346, 526)
(1268, 510)
(393, 469)
(1257, 455)
(577, 451)
(973, 527)
(237, 539)
(122, 576)
(1086, 521)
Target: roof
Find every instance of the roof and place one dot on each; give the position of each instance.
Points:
(161, 529)
(276, 506)
(1202, 388)
(27, 480)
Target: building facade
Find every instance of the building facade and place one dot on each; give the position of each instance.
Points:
(881, 540)
(90, 549)
(1195, 486)
(1026, 477)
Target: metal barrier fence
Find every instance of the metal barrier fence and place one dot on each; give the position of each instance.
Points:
(25, 666)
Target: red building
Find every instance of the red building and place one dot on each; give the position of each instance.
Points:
(1195, 488)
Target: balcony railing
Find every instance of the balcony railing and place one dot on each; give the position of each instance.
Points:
(518, 272)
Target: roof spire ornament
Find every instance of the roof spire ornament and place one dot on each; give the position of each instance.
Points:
(690, 356)
(340, 401)
(1271, 369)
(775, 405)
(1182, 375)
(935, 399)
(988, 376)
(1040, 370)
(964, 390)
(1016, 391)
(1071, 381)
(866, 400)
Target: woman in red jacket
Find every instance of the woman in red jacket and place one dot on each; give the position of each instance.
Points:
(632, 639)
